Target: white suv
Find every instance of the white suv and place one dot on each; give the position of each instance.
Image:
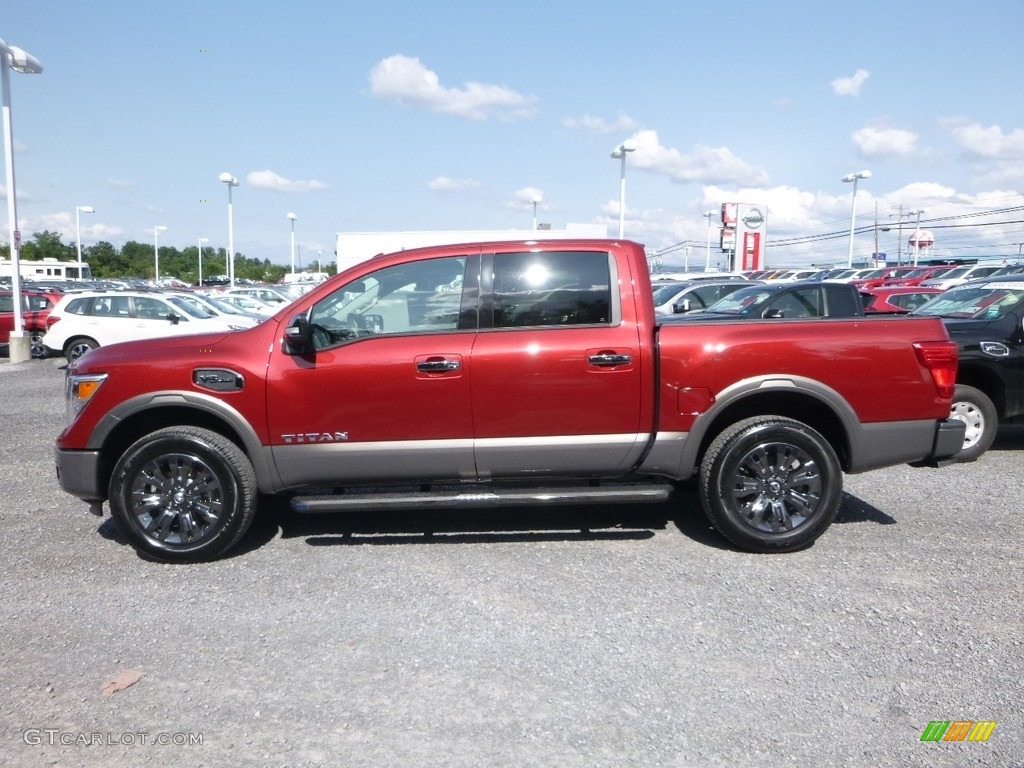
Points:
(84, 321)
(961, 275)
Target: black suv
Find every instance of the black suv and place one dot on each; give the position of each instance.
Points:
(986, 319)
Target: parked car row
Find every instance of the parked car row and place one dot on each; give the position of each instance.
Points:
(69, 319)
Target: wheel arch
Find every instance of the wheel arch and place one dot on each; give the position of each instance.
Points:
(810, 403)
(986, 380)
(72, 340)
(130, 420)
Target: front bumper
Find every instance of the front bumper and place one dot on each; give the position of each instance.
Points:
(78, 473)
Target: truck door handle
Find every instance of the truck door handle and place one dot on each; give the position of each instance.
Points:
(609, 358)
(438, 366)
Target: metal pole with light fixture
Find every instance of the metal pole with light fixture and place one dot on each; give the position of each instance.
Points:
(12, 57)
(80, 209)
(231, 181)
(535, 199)
(293, 217)
(156, 252)
(618, 153)
(707, 258)
(201, 241)
(853, 206)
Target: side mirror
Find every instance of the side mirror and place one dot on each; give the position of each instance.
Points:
(681, 307)
(298, 338)
(772, 312)
(173, 318)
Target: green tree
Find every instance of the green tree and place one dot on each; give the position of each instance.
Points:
(47, 245)
(138, 259)
(104, 260)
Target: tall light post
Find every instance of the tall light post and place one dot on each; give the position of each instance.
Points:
(80, 209)
(854, 177)
(293, 217)
(619, 153)
(231, 181)
(535, 199)
(707, 258)
(156, 251)
(12, 57)
(201, 241)
(917, 234)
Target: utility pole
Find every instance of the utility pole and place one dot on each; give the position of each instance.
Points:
(876, 231)
(899, 241)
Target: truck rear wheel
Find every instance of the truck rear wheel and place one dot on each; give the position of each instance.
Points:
(975, 409)
(183, 494)
(770, 484)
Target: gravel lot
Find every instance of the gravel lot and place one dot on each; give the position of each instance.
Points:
(606, 637)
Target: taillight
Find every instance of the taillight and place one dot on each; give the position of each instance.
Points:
(51, 321)
(940, 358)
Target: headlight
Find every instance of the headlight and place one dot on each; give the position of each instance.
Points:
(79, 390)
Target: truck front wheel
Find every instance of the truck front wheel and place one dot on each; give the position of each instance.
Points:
(975, 409)
(183, 494)
(770, 484)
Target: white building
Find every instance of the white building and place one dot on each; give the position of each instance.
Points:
(355, 247)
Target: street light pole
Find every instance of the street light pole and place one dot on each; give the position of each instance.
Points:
(231, 181)
(618, 153)
(854, 177)
(12, 57)
(535, 199)
(80, 209)
(156, 252)
(201, 241)
(293, 217)
(707, 257)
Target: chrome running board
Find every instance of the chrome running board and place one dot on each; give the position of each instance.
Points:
(486, 497)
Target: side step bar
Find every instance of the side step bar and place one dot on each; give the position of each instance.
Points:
(448, 498)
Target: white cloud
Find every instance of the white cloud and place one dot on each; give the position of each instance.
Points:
(63, 223)
(406, 80)
(709, 165)
(599, 126)
(122, 184)
(522, 199)
(987, 142)
(273, 181)
(446, 184)
(850, 86)
(880, 142)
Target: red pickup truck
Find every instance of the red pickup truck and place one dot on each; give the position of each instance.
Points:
(482, 374)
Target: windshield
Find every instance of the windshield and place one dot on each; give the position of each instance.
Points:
(975, 302)
(198, 304)
(189, 309)
(224, 306)
(740, 302)
(664, 293)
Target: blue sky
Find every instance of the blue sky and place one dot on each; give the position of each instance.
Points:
(451, 115)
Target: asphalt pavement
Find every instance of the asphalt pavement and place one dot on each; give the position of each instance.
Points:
(629, 636)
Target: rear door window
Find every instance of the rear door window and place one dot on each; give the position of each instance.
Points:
(551, 288)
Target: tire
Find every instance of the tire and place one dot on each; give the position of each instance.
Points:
(770, 484)
(183, 494)
(975, 409)
(36, 348)
(78, 347)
